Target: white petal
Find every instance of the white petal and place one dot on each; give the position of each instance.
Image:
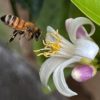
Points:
(73, 25)
(59, 80)
(86, 48)
(81, 31)
(50, 29)
(49, 37)
(66, 51)
(48, 67)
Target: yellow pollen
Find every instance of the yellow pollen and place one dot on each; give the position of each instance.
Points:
(50, 47)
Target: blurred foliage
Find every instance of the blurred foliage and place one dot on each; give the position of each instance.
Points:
(33, 6)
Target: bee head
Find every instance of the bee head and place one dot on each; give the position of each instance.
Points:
(37, 34)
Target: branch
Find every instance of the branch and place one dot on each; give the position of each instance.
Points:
(18, 80)
(27, 50)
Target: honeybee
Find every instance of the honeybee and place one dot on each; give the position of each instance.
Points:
(21, 27)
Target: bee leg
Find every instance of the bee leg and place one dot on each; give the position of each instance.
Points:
(31, 36)
(21, 33)
(28, 36)
(29, 33)
(14, 35)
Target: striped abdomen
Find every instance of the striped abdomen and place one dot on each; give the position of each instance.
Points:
(13, 22)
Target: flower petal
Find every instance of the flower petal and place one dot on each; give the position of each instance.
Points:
(81, 31)
(49, 37)
(76, 30)
(48, 67)
(86, 48)
(67, 48)
(59, 80)
(50, 29)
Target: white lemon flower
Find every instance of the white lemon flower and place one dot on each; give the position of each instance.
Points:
(63, 53)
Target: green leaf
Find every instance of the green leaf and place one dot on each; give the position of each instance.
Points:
(90, 8)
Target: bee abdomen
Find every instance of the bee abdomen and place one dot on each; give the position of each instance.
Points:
(13, 21)
(20, 24)
(8, 19)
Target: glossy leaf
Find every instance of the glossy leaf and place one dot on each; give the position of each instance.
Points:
(90, 8)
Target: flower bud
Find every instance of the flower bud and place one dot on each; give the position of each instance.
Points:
(83, 72)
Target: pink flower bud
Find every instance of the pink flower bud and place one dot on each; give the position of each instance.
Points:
(83, 72)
